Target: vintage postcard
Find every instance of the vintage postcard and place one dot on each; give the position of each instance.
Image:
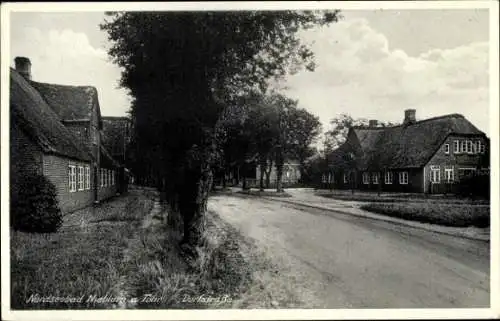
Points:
(250, 160)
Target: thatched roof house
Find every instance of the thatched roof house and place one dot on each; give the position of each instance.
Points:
(445, 141)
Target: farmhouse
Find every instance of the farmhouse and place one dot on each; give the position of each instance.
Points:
(428, 156)
(56, 131)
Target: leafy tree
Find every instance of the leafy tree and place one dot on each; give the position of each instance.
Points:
(183, 69)
(304, 129)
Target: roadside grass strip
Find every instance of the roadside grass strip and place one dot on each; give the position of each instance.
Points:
(454, 215)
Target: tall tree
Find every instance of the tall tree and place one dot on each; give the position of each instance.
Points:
(183, 69)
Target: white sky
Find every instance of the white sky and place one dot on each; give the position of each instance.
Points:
(372, 64)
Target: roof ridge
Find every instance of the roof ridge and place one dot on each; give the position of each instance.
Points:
(415, 123)
(68, 86)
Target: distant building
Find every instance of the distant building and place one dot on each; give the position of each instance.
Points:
(56, 130)
(427, 156)
(116, 134)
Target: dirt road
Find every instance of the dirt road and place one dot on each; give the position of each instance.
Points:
(333, 260)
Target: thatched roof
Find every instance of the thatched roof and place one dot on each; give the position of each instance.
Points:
(403, 146)
(40, 122)
(69, 102)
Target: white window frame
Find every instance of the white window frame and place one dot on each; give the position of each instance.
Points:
(456, 147)
(470, 149)
(81, 175)
(403, 178)
(388, 177)
(87, 177)
(101, 176)
(463, 146)
(435, 178)
(481, 148)
(447, 149)
(375, 177)
(449, 174)
(366, 178)
(106, 183)
(346, 178)
(72, 178)
(323, 178)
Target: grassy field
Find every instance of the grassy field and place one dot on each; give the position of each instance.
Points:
(83, 259)
(456, 215)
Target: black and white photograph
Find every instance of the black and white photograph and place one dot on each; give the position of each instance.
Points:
(250, 160)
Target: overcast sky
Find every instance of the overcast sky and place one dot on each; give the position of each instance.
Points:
(372, 64)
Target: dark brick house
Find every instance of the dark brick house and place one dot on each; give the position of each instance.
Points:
(55, 130)
(428, 156)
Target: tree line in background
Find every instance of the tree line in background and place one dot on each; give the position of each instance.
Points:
(269, 130)
(190, 74)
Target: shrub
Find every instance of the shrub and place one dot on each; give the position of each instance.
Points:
(475, 185)
(456, 215)
(35, 207)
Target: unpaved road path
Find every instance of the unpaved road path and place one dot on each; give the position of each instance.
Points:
(333, 260)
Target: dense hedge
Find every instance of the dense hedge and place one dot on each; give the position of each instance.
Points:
(475, 185)
(35, 207)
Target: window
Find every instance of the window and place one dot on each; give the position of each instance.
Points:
(366, 178)
(330, 178)
(388, 177)
(105, 177)
(480, 147)
(449, 175)
(323, 178)
(435, 174)
(469, 147)
(463, 148)
(456, 147)
(72, 178)
(446, 148)
(375, 178)
(87, 177)
(403, 178)
(101, 176)
(346, 178)
(81, 183)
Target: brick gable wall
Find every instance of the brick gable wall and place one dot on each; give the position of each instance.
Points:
(453, 160)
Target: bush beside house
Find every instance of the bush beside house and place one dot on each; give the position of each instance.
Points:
(35, 207)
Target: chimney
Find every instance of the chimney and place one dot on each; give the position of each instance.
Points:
(372, 123)
(23, 66)
(410, 117)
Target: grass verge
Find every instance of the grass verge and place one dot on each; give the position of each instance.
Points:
(164, 279)
(80, 262)
(264, 193)
(391, 198)
(454, 215)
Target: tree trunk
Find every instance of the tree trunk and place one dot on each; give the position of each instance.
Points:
(244, 183)
(279, 173)
(267, 172)
(261, 178)
(193, 206)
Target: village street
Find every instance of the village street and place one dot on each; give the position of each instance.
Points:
(334, 260)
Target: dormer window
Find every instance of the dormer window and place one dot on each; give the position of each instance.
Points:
(446, 148)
